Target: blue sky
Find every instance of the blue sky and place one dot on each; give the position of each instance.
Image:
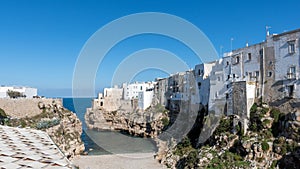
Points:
(40, 40)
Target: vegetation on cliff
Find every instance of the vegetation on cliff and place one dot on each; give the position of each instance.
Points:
(14, 94)
(3, 117)
(271, 141)
(62, 125)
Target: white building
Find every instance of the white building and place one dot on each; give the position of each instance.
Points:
(218, 88)
(202, 75)
(131, 91)
(28, 92)
(287, 65)
(128, 96)
(145, 99)
(182, 88)
(161, 90)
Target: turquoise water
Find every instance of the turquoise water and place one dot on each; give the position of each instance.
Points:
(106, 142)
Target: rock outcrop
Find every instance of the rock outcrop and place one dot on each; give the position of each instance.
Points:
(24, 107)
(147, 123)
(62, 125)
(272, 142)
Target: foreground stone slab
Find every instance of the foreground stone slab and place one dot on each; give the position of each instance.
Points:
(29, 148)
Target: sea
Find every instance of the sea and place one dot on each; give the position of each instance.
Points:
(106, 142)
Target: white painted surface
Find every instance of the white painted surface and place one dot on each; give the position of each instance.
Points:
(27, 91)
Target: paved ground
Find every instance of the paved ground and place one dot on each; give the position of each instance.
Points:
(120, 161)
(28, 148)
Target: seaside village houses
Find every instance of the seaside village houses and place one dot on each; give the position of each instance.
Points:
(26, 92)
(266, 72)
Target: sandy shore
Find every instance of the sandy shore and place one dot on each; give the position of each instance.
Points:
(118, 161)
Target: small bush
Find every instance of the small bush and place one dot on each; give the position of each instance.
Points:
(275, 114)
(3, 116)
(165, 121)
(267, 134)
(253, 109)
(192, 158)
(47, 123)
(283, 151)
(264, 110)
(274, 163)
(266, 121)
(265, 146)
(2, 113)
(183, 147)
(14, 94)
(225, 125)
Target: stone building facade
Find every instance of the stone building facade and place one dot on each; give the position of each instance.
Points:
(266, 72)
(128, 97)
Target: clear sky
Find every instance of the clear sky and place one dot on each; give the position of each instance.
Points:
(40, 40)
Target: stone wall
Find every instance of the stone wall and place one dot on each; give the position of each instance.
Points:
(20, 108)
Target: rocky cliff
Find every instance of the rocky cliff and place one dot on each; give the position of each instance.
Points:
(23, 107)
(271, 141)
(62, 125)
(147, 123)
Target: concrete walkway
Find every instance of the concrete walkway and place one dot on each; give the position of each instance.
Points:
(118, 161)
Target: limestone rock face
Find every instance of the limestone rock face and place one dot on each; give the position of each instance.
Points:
(137, 123)
(290, 126)
(66, 135)
(62, 125)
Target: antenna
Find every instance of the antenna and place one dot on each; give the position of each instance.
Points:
(221, 47)
(231, 40)
(268, 30)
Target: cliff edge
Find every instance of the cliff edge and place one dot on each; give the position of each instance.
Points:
(62, 125)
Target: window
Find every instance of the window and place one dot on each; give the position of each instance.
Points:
(291, 72)
(249, 56)
(250, 74)
(233, 75)
(219, 78)
(270, 63)
(246, 73)
(141, 88)
(257, 74)
(200, 72)
(257, 92)
(227, 63)
(261, 52)
(216, 95)
(291, 47)
(269, 74)
(228, 77)
(199, 84)
(237, 59)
